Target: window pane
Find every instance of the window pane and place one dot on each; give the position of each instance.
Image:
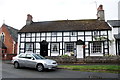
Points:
(22, 45)
(54, 47)
(59, 38)
(69, 47)
(37, 45)
(53, 39)
(66, 33)
(33, 34)
(42, 34)
(27, 39)
(28, 34)
(38, 34)
(54, 33)
(33, 39)
(48, 34)
(48, 39)
(38, 39)
(59, 34)
(96, 47)
(29, 47)
(73, 33)
(22, 35)
(2, 37)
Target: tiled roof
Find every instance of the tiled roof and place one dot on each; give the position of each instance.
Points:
(66, 25)
(13, 32)
(114, 23)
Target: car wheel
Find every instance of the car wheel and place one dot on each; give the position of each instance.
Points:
(40, 67)
(16, 65)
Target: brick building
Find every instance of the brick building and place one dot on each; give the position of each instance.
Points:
(8, 42)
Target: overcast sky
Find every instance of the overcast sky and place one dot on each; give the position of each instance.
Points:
(14, 12)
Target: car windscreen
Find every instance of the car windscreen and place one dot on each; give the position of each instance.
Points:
(37, 56)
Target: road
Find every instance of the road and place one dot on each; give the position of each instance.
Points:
(8, 71)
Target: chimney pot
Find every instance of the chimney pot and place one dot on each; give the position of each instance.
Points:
(29, 19)
(100, 13)
(100, 7)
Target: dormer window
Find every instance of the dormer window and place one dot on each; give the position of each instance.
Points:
(2, 37)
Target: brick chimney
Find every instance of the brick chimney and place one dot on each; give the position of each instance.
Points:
(100, 13)
(29, 19)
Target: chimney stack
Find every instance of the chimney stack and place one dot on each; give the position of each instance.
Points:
(29, 19)
(100, 13)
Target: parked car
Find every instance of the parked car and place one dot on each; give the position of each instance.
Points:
(33, 60)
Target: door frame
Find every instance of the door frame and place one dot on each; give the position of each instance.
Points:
(44, 45)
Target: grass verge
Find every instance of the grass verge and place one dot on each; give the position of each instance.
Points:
(93, 68)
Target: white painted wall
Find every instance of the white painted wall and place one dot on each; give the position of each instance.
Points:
(112, 47)
(119, 10)
(115, 30)
(18, 44)
(66, 38)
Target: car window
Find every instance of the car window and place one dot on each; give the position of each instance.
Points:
(28, 56)
(22, 56)
(37, 56)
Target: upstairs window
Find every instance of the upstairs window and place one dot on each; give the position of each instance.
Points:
(95, 33)
(54, 33)
(28, 34)
(72, 33)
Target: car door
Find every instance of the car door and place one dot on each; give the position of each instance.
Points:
(30, 61)
(21, 59)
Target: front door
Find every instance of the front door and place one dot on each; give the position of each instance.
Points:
(44, 48)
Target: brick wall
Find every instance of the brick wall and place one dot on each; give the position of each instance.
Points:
(9, 42)
(89, 59)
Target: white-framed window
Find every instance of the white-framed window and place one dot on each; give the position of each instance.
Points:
(69, 47)
(95, 33)
(23, 35)
(28, 34)
(28, 47)
(54, 33)
(73, 33)
(96, 47)
(55, 47)
(33, 34)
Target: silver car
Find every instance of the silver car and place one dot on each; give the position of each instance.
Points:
(33, 60)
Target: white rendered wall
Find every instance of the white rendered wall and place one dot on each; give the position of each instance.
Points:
(18, 44)
(115, 30)
(112, 47)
